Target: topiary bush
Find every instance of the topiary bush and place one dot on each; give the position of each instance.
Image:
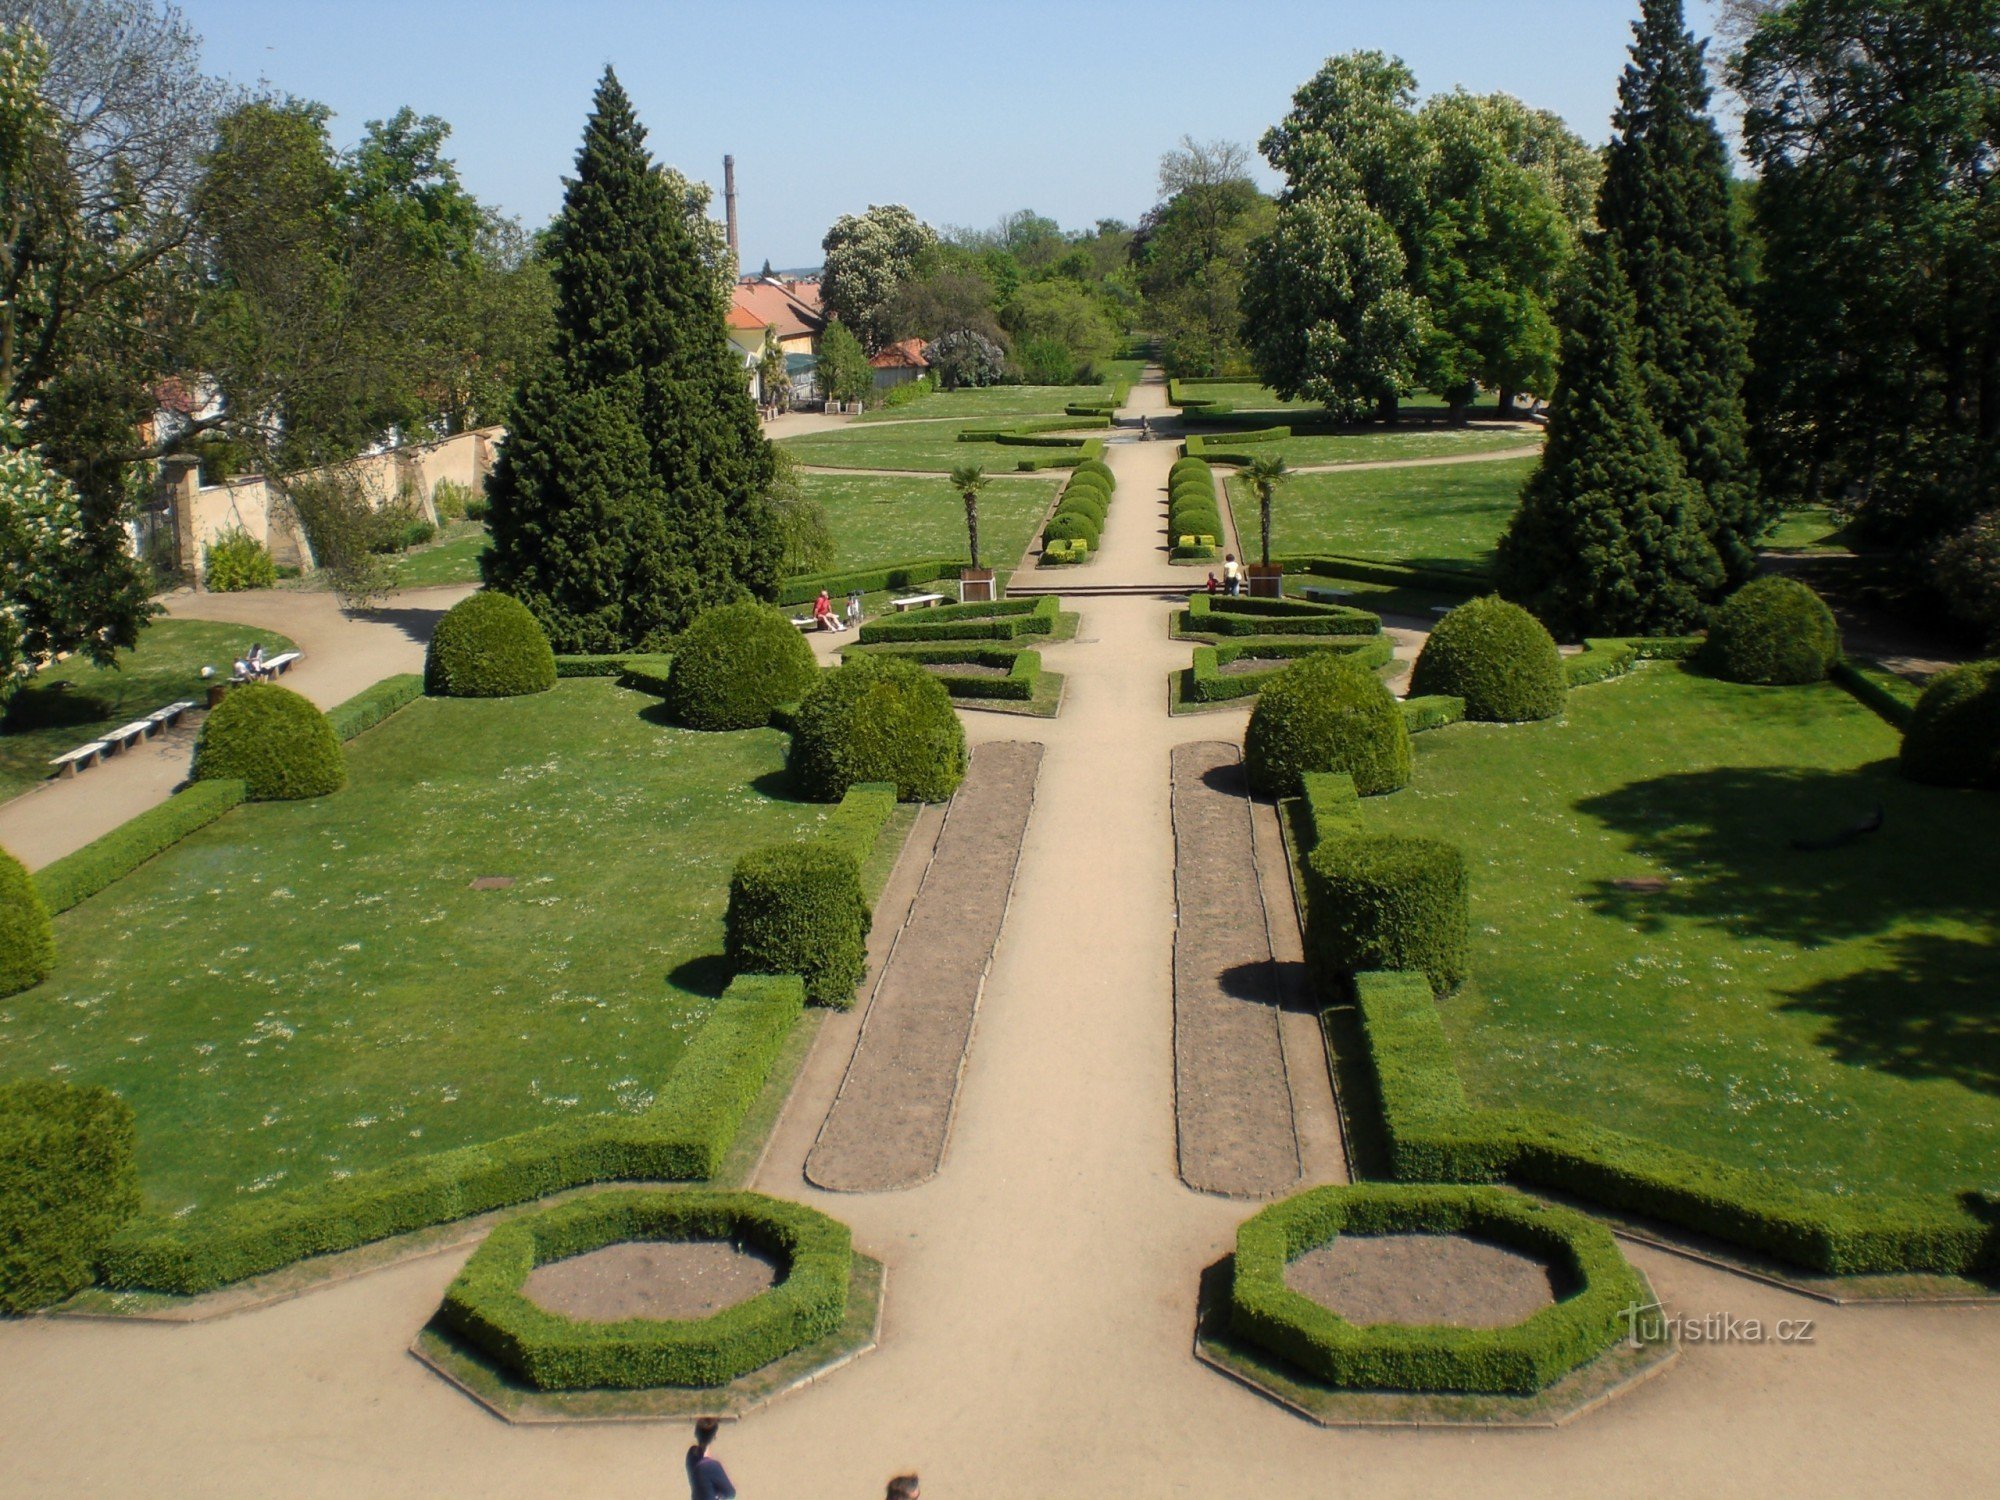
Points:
(1953, 738)
(1773, 631)
(799, 909)
(878, 719)
(1096, 468)
(1498, 658)
(1383, 901)
(1069, 526)
(68, 1180)
(488, 646)
(1326, 713)
(27, 942)
(273, 741)
(734, 665)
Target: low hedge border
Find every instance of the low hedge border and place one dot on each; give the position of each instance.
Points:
(1177, 392)
(371, 706)
(1065, 554)
(1396, 575)
(1003, 620)
(1023, 668)
(681, 1136)
(486, 1307)
(1229, 449)
(1605, 657)
(1517, 1360)
(1101, 406)
(1210, 685)
(1222, 614)
(1432, 712)
(67, 1182)
(1880, 689)
(1070, 457)
(98, 864)
(1032, 431)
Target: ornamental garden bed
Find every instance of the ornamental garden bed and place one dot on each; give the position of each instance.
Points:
(996, 678)
(1238, 669)
(1217, 617)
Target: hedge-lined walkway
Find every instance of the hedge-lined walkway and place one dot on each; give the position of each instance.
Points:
(891, 1121)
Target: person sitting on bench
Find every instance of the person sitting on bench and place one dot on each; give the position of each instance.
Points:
(823, 612)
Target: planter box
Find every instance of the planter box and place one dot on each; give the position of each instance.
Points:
(975, 586)
(1267, 582)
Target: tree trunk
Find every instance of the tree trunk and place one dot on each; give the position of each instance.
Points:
(1264, 523)
(1506, 402)
(1385, 410)
(972, 527)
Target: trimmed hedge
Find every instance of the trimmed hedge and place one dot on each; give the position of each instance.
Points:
(734, 664)
(1099, 468)
(372, 705)
(1434, 1135)
(1423, 714)
(486, 1307)
(1023, 668)
(1030, 430)
(1328, 805)
(1498, 658)
(804, 589)
(27, 941)
(1002, 620)
(1070, 526)
(1064, 458)
(799, 909)
(877, 719)
(1061, 554)
(1953, 738)
(1326, 713)
(1517, 1360)
(1893, 697)
(1605, 657)
(273, 741)
(68, 1180)
(1209, 684)
(682, 1136)
(1221, 614)
(488, 645)
(1773, 631)
(1233, 448)
(1396, 575)
(1384, 901)
(85, 872)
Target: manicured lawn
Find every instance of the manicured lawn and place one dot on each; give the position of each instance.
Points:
(1380, 446)
(1811, 528)
(988, 402)
(70, 703)
(876, 520)
(453, 558)
(926, 447)
(309, 989)
(1831, 1013)
(1448, 516)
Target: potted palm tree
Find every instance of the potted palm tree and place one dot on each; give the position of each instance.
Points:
(1267, 579)
(975, 584)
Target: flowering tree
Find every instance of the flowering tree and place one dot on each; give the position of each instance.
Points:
(964, 356)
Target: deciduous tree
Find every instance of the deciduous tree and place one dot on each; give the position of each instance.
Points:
(867, 257)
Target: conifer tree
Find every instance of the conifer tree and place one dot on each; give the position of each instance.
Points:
(1609, 537)
(631, 491)
(1665, 202)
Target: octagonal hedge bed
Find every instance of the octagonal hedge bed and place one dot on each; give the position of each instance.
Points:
(1729, 971)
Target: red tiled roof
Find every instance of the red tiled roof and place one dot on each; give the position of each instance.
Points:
(741, 317)
(907, 355)
(775, 306)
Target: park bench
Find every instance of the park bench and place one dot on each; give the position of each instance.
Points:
(804, 622)
(125, 736)
(917, 601)
(279, 665)
(1327, 596)
(70, 761)
(166, 718)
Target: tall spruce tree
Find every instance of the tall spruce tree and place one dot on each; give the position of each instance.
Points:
(1665, 202)
(1609, 537)
(631, 491)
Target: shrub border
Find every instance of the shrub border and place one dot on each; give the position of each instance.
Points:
(1222, 614)
(1208, 685)
(1002, 620)
(1024, 668)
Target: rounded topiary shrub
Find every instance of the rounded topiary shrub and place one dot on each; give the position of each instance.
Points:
(1383, 901)
(1097, 468)
(878, 719)
(1498, 658)
(1326, 713)
(1953, 739)
(27, 942)
(272, 740)
(488, 646)
(734, 665)
(1774, 631)
(799, 909)
(1069, 526)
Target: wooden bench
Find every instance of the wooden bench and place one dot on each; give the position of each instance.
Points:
(805, 622)
(279, 665)
(169, 716)
(917, 601)
(1327, 596)
(125, 736)
(70, 761)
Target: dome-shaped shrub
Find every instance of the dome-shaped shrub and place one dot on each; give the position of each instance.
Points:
(799, 909)
(488, 646)
(1326, 713)
(1953, 739)
(1083, 481)
(734, 665)
(878, 719)
(1498, 658)
(1068, 526)
(272, 740)
(1773, 631)
(27, 941)
(1097, 468)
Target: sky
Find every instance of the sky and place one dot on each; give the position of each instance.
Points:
(962, 111)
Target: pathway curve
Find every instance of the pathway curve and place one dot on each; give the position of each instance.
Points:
(1039, 1312)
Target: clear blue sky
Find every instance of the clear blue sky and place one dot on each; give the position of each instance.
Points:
(963, 111)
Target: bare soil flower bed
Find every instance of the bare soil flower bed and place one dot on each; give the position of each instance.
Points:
(657, 1279)
(1423, 1278)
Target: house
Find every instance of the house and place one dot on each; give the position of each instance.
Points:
(900, 362)
(791, 311)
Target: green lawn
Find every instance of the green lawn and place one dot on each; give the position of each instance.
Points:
(1830, 1013)
(72, 702)
(1448, 516)
(309, 989)
(453, 558)
(1811, 528)
(1379, 446)
(927, 447)
(987, 402)
(876, 520)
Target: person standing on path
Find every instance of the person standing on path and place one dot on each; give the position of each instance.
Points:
(707, 1479)
(1232, 574)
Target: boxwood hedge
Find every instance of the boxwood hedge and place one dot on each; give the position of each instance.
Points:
(734, 664)
(1002, 620)
(74, 877)
(273, 741)
(877, 719)
(486, 1307)
(1498, 658)
(1222, 614)
(799, 909)
(1386, 901)
(1953, 738)
(1208, 683)
(1773, 631)
(1326, 713)
(488, 645)
(67, 1182)
(1600, 1291)
(27, 942)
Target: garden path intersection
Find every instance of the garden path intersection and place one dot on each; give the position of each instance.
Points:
(1041, 1284)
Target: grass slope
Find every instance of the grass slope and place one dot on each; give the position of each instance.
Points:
(73, 701)
(1449, 516)
(309, 989)
(454, 558)
(876, 520)
(927, 447)
(1829, 1013)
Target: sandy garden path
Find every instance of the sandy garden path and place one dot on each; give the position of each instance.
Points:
(1041, 1287)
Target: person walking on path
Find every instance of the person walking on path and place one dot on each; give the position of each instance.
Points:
(707, 1479)
(1232, 574)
